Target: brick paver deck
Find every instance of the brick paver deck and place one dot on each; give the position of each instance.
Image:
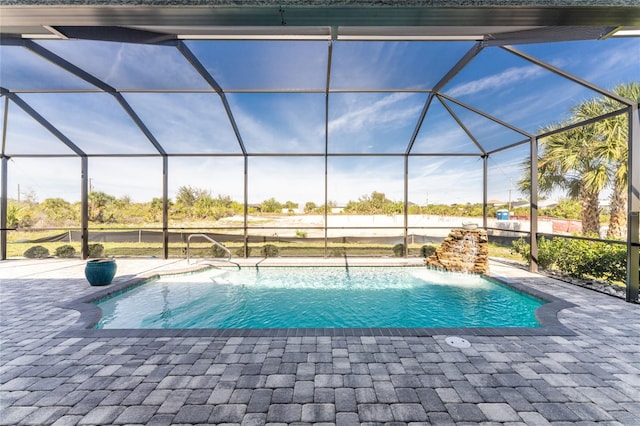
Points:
(52, 374)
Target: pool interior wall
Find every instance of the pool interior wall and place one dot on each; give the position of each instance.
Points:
(321, 297)
(546, 315)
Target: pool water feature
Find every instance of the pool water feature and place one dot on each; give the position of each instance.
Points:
(319, 297)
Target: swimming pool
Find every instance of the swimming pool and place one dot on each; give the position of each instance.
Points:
(319, 297)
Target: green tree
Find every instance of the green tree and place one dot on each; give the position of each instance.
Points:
(99, 206)
(270, 206)
(204, 207)
(290, 205)
(15, 215)
(376, 203)
(566, 209)
(154, 211)
(58, 210)
(415, 209)
(192, 202)
(186, 196)
(310, 207)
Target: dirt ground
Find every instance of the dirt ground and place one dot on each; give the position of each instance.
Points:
(359, 225)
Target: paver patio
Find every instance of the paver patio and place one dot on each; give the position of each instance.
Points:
(50, 374)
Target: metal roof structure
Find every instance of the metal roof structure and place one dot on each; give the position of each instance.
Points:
(53, 53)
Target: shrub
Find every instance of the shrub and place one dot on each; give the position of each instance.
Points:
(301, 234)
(95, 250)
(65, 251)
(427, 250)
(549, 251)
(521, 248)
(612, 263)
(578, 258)
(570, 256)
(338, 252)
(217, 251)
(36, 252)
(240, 251)
(545, 251)
(270, 250)
(398, 250)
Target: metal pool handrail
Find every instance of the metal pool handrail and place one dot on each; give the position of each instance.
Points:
(210, 239)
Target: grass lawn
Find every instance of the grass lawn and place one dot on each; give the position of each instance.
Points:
(301, 248)
(204, 249)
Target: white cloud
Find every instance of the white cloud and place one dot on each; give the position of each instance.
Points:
(496, 81)
(283, 123)
(605, 63)
(445, 180)
(113, 66)
(26, 136)
(616, 65)
(220, 176)
(379, 113)
(350, 178)
(286, 179)
(128, 65)
(447, 140)
(186, 122)
(46, 177)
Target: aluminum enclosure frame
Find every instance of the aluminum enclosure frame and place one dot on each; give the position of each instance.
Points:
(13, 98)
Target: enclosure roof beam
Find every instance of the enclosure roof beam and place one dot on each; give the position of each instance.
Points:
(484, 114)
(463, 127)
(113, 33)
(513, 145)
(68, 66)
(416, 131)
(91, 79)
(582, 123)
(568, 76)
(138, 121)
(459, 66)
(40, 119)
(161, 16)
(10, 40)
(240, 155)
(453, 71)
(200, 69)
(554, 33)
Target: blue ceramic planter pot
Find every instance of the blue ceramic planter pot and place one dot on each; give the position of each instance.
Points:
(100, 271)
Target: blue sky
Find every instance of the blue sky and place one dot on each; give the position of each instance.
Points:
(261, 79)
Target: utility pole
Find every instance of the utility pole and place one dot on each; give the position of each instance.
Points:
(18, 193)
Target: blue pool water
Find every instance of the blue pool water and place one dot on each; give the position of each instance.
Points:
(320, 297)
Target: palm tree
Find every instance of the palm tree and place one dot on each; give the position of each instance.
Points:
(98, 206)
(585, 160)
(568, 162)
(613, 147)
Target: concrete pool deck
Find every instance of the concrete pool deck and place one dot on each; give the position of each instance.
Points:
(49, 375)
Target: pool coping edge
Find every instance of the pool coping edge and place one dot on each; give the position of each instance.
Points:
(90, 315)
